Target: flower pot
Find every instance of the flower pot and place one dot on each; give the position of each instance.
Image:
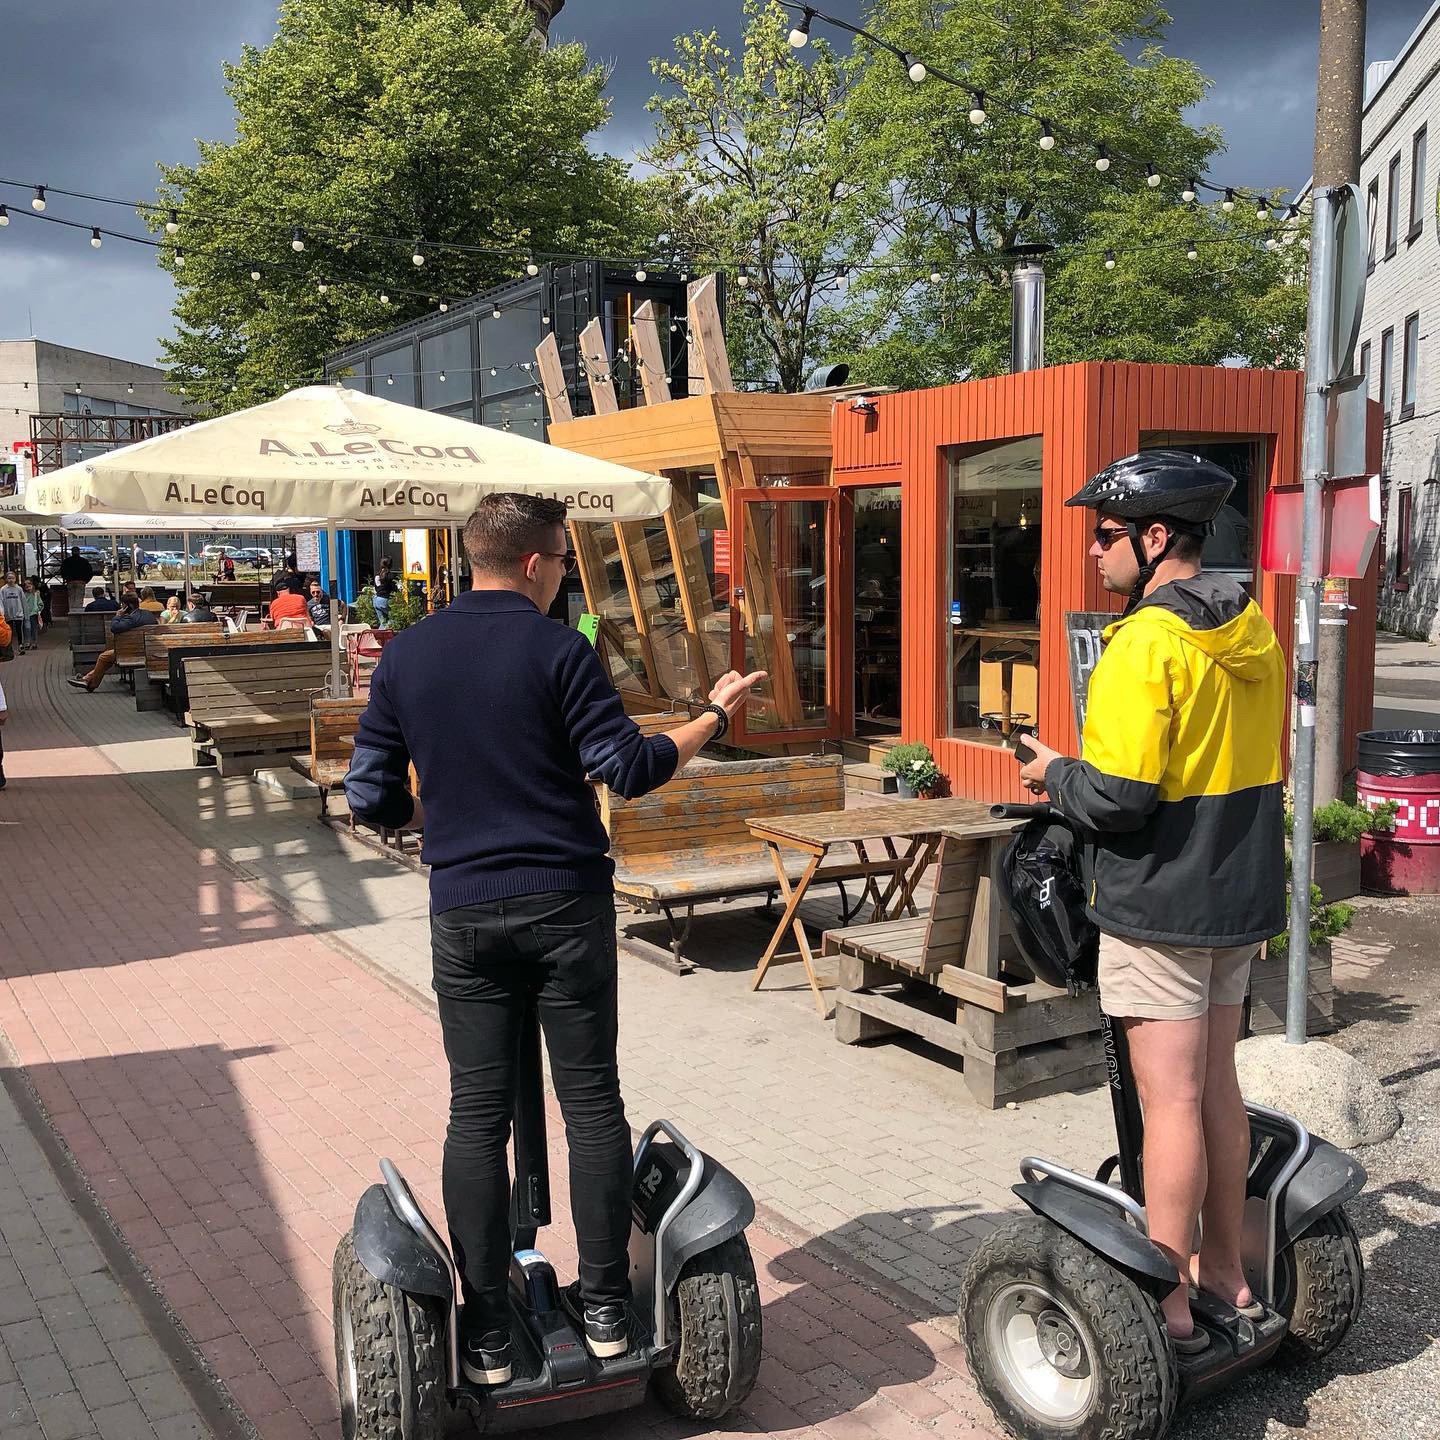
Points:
(906, 789)
(1335, 868)
(1268, 979)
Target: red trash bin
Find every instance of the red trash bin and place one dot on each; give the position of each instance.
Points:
(1403, 766)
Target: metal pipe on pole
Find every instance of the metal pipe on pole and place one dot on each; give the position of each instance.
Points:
(339, 686)
(1338, 105)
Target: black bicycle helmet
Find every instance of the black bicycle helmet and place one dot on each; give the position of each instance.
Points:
(1041, 887)
(1181, 490)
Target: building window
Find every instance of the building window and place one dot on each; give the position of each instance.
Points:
(1387, 367)
(1392, 208)
(1409, 360)
(447, 375)
(392, 375)
(1402, 539)
(1364, 366)
(1417, 183)
(507, 345)
(1372, 210)
(994, 587)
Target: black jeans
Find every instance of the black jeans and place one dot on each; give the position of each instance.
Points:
(558, 947)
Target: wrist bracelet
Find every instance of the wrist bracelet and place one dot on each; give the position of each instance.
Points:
(719, 712)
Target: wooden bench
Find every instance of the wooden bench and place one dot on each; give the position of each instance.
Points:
(954, 978)
(687, 842)
(333, 723)
(248, 642)
(253, 703)
(89, 635)
(159, 641)
(129, 648)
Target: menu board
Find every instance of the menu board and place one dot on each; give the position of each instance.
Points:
(1083, 632)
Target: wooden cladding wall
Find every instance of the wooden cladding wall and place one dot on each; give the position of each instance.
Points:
(1086, 416)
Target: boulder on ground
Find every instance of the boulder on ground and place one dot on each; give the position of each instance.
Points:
(1330, 1093)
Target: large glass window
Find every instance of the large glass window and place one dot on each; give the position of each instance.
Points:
(524, 413)
(447, 375)
(1392, 207)
(995, 493)
(392, 375)
(1417, 183)
(507, 345)
(1230, 548)
(876, 573)
(1387, 369)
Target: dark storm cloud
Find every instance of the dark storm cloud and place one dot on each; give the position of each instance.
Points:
(97, 93)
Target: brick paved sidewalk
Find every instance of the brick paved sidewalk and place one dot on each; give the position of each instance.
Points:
(77, 1355)
(225, 1080)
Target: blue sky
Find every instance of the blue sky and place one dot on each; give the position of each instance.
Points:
(97, 93)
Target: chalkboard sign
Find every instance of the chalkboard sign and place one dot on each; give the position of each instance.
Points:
(1083, 629)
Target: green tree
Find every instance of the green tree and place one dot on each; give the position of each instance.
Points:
(754, 162)
(402, 118)
(962, 192)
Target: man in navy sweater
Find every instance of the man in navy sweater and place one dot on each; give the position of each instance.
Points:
(507, 717)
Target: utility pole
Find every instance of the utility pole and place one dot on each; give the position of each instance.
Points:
(1339, 100)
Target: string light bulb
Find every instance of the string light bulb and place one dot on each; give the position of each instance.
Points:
(494, 312)
(384, 298)
(493, 372)
(915, 69)
(95, 241)
(38, 203)
(4, 216)
(935, 277)
(77, 387)
(531, 268)
(389, 379)
(1047, 135)
(417, 256)
(544, 319)
(1228, 203)
(129, 389)
(800, 30)
(977, 107)
(1262, 210)
(323, 286)
(1188, 193)
(444, 306)
(297, 241)
(1191, 252)
(254, 274)
(442, 377)
(172, 223)
(1102, 157)
(1271, 243)
(641, 274)
(743, 279)
(1109, 259)
(179, 258)
(1152, 177)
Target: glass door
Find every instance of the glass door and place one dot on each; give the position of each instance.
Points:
(874, 580)
(782, 599)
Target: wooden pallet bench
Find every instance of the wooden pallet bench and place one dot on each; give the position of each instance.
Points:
(160, 640)
(248, 706)
(130, 652)
(687, 842)
(953, 977)
(333, 723)
(89, 636)
(248, 642)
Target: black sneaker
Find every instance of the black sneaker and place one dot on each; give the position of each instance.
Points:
(486, 1360)
(606, 1327)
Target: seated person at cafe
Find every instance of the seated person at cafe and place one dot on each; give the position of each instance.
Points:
(289, 604)
(319, 605)
(129, 617)
(100, 599)
(148, 600)
(199, 612)
(172, 611)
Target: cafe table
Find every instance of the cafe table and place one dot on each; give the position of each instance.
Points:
(915, 824)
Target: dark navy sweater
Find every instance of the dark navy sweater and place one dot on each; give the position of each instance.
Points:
(506, 714)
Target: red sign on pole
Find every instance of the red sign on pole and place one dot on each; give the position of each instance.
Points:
(1352, 526)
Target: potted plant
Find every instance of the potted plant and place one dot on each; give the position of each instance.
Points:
(1335, 844)
(362, 610)
(1270, 973)
(914, 769)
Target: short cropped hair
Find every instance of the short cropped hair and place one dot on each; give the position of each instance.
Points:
(504, 528)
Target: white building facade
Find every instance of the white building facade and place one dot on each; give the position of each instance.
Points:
(1400, 335)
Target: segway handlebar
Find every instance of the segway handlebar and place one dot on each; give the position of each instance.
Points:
(1043, 811)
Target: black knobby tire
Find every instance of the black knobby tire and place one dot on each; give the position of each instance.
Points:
(1120, 1328)
(716, 1312)
(1321, 1281)
(398, 1340)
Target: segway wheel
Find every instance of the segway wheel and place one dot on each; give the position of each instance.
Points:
(1060, 1344)
(716, 1313)
(389, 1356)
(1321, 1284)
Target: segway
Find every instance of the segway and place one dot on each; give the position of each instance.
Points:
(1059, 1308)
(695, 1327)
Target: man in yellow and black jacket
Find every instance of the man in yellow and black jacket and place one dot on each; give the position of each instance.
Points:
(1177, 795)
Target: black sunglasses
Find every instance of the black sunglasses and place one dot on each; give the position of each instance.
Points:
(568, 556)
(1105, 536)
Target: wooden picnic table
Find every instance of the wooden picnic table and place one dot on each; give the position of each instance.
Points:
(916, 823)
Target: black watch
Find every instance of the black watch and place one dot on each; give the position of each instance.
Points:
(719, 712)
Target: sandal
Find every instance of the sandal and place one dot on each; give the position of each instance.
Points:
(1192, 1344)
(1254, 1310)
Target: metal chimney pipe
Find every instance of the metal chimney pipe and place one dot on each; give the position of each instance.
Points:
(1027, 307)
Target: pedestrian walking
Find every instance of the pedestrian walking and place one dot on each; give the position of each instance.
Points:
(385, 586)
(77, 572)
(12, 603)
(34, 620)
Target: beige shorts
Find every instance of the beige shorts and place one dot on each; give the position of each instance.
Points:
(1170, 982)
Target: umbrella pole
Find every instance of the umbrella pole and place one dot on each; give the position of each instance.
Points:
(454, 561)
(185, 546)
(338, 686)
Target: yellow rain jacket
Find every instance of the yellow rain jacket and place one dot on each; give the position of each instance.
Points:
(1179, 782)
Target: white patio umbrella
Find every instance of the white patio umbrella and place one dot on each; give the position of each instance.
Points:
(348, 458)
